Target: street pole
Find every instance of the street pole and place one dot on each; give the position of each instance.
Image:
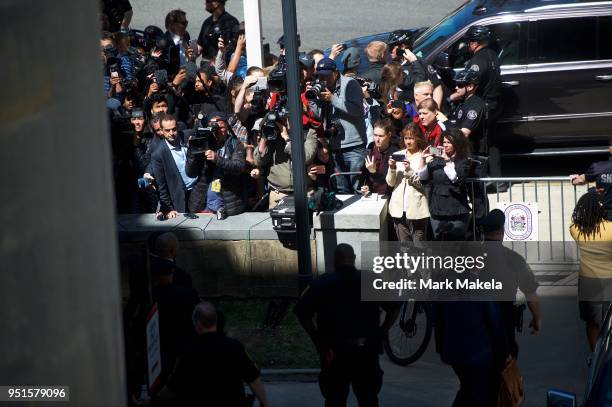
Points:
(297, 145)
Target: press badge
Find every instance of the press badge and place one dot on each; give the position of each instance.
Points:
(216, 186)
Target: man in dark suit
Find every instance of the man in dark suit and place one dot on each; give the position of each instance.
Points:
(177, 39)
(168, 164)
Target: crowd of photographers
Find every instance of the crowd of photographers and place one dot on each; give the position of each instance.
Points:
(194, 130)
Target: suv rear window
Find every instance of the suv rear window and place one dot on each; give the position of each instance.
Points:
(567, 40)
(605, 37)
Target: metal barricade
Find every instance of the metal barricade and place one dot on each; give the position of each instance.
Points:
(556, 198)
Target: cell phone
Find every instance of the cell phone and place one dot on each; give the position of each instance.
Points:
(320, 169)
(435, 150)
(193, 44)
(114, 74)
(398, 156)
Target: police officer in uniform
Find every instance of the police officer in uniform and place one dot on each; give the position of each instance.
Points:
(601, 173)
(485, 62)
(470, 115)
(347, 334)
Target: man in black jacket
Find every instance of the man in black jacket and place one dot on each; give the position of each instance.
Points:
(177, 39)
(168, 164)
(347, 334)
(220, 23)
(220, 163)
(376, 51)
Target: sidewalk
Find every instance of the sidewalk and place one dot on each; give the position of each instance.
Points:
(554, 359)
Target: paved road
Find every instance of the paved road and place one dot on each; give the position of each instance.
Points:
(320, 22)
(554, 359)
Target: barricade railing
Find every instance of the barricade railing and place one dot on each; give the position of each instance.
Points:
(554, 198)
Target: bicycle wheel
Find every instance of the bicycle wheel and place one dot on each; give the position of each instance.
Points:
(408, 338)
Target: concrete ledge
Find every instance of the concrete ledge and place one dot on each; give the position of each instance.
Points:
(359, 220)
(357, 213)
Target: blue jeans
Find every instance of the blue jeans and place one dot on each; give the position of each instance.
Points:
(350, 159)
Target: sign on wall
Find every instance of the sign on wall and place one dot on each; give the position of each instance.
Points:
(521, 221)
(153, 348)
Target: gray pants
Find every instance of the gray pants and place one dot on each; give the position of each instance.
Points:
(410, 230)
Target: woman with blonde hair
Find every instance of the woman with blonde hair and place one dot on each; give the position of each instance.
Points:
(408, 204)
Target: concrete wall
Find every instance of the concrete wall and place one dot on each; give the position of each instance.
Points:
(243, 256)
(59, 282)
(240, 256)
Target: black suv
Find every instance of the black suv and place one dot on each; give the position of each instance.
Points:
(556, 64)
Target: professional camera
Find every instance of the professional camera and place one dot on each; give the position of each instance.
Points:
(317, 87)
(260, 96)
(258, 103)
(277, 81)
(373, 88)
(203, 138)
(269, 129)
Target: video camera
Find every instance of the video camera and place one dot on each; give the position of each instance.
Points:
(277, 81)
(278, 114)
(260, 96)
(203, 138)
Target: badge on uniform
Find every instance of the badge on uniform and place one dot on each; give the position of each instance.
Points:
(216, 186)
(472, 114)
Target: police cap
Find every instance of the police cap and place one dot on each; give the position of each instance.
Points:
(467, 77)
(399, 37)
(478, 33)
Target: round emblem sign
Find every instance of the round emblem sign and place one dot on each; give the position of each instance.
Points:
(519, 222)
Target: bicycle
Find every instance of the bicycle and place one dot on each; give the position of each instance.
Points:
(409, 337)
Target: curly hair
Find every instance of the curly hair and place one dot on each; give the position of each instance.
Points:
(588, 215)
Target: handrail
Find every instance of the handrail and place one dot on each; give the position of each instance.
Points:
(517, 179)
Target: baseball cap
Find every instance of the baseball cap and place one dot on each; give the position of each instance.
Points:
(219, 115)
(350, 58)
(326, 66)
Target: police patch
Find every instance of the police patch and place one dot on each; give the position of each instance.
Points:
(459, 114)
(472, 114)
(431, 69)
(475, 68)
